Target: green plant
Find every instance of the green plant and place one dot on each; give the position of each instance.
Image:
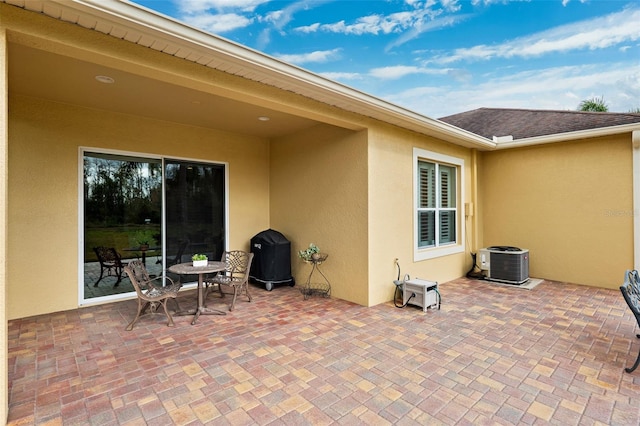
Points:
(593, 105)
(306, 254)
(145, 237)
(199, 257)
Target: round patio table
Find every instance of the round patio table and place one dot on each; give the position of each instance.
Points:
(189, 269)
(143, 250)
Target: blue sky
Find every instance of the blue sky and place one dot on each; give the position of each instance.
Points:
(443, 57)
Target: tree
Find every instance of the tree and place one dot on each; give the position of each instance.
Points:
(593, 105)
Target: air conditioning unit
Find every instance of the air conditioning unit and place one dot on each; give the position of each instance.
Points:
(505, 264)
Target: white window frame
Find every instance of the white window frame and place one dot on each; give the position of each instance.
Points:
(423, 253)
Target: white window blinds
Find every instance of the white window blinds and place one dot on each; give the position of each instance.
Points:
(437, 204)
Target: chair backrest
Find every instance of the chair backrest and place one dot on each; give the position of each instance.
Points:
(178, 257)
(138, 275)
(107, 255)
(631, 292)
(237, 264)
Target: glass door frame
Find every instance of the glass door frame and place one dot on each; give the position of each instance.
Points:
(82, 301)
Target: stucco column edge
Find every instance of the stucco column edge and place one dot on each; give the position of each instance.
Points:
(4, 143)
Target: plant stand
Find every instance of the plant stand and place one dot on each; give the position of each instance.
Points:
(319, 287)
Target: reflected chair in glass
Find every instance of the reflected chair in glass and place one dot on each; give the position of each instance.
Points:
(151, 293)
(111, 262)
(178, 256)
(235, 275)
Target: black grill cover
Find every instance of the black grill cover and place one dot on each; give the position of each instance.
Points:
(271, 258)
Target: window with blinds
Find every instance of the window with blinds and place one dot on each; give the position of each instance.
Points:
(437, 204)
(438, 193)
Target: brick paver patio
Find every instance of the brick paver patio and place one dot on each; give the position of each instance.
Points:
(491, 355)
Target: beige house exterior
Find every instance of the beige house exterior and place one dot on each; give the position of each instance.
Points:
(570, 203)
(333, 165)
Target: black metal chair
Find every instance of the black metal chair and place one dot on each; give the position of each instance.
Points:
(111, 262)
(178, 257)
(631, 293)
(151, 295)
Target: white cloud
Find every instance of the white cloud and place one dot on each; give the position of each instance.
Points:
(309, 28)
(490, 2)
(424, 27)
(280, 18)
(566, 2)
(393, 72)
(217, 16)
(228, 15)
(460, 75)
(199, 6)
(410, 24)
(399, 71)
(618, 83)
(218, 23)
(344, 76)
(450, 5)
(318, 56)
(372, 24)
(597, 33)
(375, 24)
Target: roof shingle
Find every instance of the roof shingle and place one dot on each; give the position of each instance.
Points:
(527, 123)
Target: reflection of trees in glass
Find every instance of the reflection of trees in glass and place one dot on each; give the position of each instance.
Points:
(119, 190)
(195, 205)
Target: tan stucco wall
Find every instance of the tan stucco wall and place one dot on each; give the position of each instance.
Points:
(319, 195)
(354, 199)
(391, 214)
(570, 204)
(43, 188)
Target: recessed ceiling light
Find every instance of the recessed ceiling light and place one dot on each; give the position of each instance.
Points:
(263, 118)
(105, 79)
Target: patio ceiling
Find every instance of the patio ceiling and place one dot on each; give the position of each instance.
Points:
(37, 73)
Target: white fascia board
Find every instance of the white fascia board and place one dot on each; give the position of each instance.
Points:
(562, 137)
(156, 25)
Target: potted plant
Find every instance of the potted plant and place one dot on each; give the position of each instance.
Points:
(311, 253)
(200, 260)
(144, 238)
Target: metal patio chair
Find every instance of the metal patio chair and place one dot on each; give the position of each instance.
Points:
(631, 293)
(111, 262)
(151, 293)
(177, 258)
(235, 275)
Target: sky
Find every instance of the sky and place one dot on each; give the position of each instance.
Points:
(442, 57)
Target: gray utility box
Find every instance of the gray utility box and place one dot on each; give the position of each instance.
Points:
(425, 293)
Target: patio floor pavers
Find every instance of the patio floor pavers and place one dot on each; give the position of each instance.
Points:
(491, 355)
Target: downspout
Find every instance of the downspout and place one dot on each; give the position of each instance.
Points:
(635, 140)
(472, 206)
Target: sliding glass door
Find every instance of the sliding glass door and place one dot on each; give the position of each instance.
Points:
(194, 210)
(160, 211)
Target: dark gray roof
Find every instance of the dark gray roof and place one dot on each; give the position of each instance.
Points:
(527, 123)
